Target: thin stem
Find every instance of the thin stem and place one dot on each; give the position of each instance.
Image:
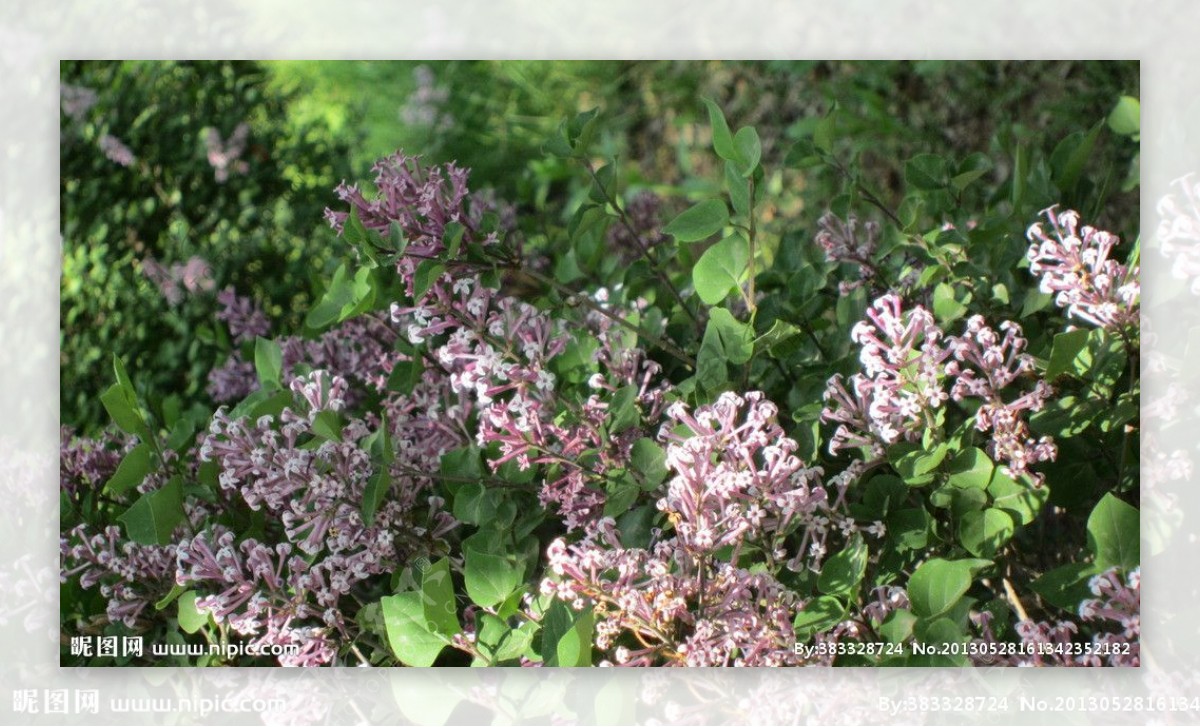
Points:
(586, 301)
(641, 244)
(750, 296)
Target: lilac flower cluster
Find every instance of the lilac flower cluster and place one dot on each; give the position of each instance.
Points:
(245, 319)
(76, 100)
(896, 395)
(1114, 613)
(131, 576)
(313, 493)
(225, 156)
(843, 243)
(737, 482)
(423, 107)
(421, 201)
(643, 214)
(1001, 361)
(86, 463)
(494, 351)
(193, 276)
(116, 150)
(358, 350)
(1075, 267)
(903, 384)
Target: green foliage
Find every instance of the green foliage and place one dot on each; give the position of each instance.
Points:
(723, 288)
(260, 231)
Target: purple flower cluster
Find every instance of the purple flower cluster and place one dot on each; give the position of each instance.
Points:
(1075, 267)
(996, 363)
(421, 201)
(116, 150)
(896, 395)
(1114, 614)
(311, 488)
(737, 483)
(423, 107)
(644, 229)
(844, 243)
(245, 319)
(906, 368)
(76, 100)
(193, 276)
(225, 156)
(131, 576)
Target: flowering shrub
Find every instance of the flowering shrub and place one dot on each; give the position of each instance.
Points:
(605, 442)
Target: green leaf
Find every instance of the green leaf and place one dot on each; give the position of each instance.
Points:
(452, 238)
(408, 630)
(1065, 355)
(734, 338)
(374, 494)
(842, 573)
(749, 149)
(623, 410)
(327, 424)
(984, 532)
(622, 491)
(353, 231)
(1020, 175)
(971, 468)
(937, 584)
(490, 576)
(818, 615)
(1071, 156)
(406, 375)
(1018, 498)
(132, 471)
(190, 618)
(437, 599)
(722, 138)
(651, 461)
(925, 172)
(699, 221)
(1065, 586)
(268, 362)
(338, 295)
(909, 528)
(123, 379)
(475, 504)
(914, 464)
(462, 463)
(937, 633)
(945, 306)
(720, 269)
(426, 274)
(176, 591)
(739, 190)
(152, 519)
(1126, 117)
(971, 169)
(1114, 533)
(567, 636)
(825, 131)
(898, 626)
(781, 331)
(123, 411)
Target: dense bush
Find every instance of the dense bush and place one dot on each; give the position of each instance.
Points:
(832, 390)
(177, 181)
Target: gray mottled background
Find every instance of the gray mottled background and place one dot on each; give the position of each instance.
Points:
(34, 36)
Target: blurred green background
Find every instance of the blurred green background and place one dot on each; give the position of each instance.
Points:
(183, 179)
